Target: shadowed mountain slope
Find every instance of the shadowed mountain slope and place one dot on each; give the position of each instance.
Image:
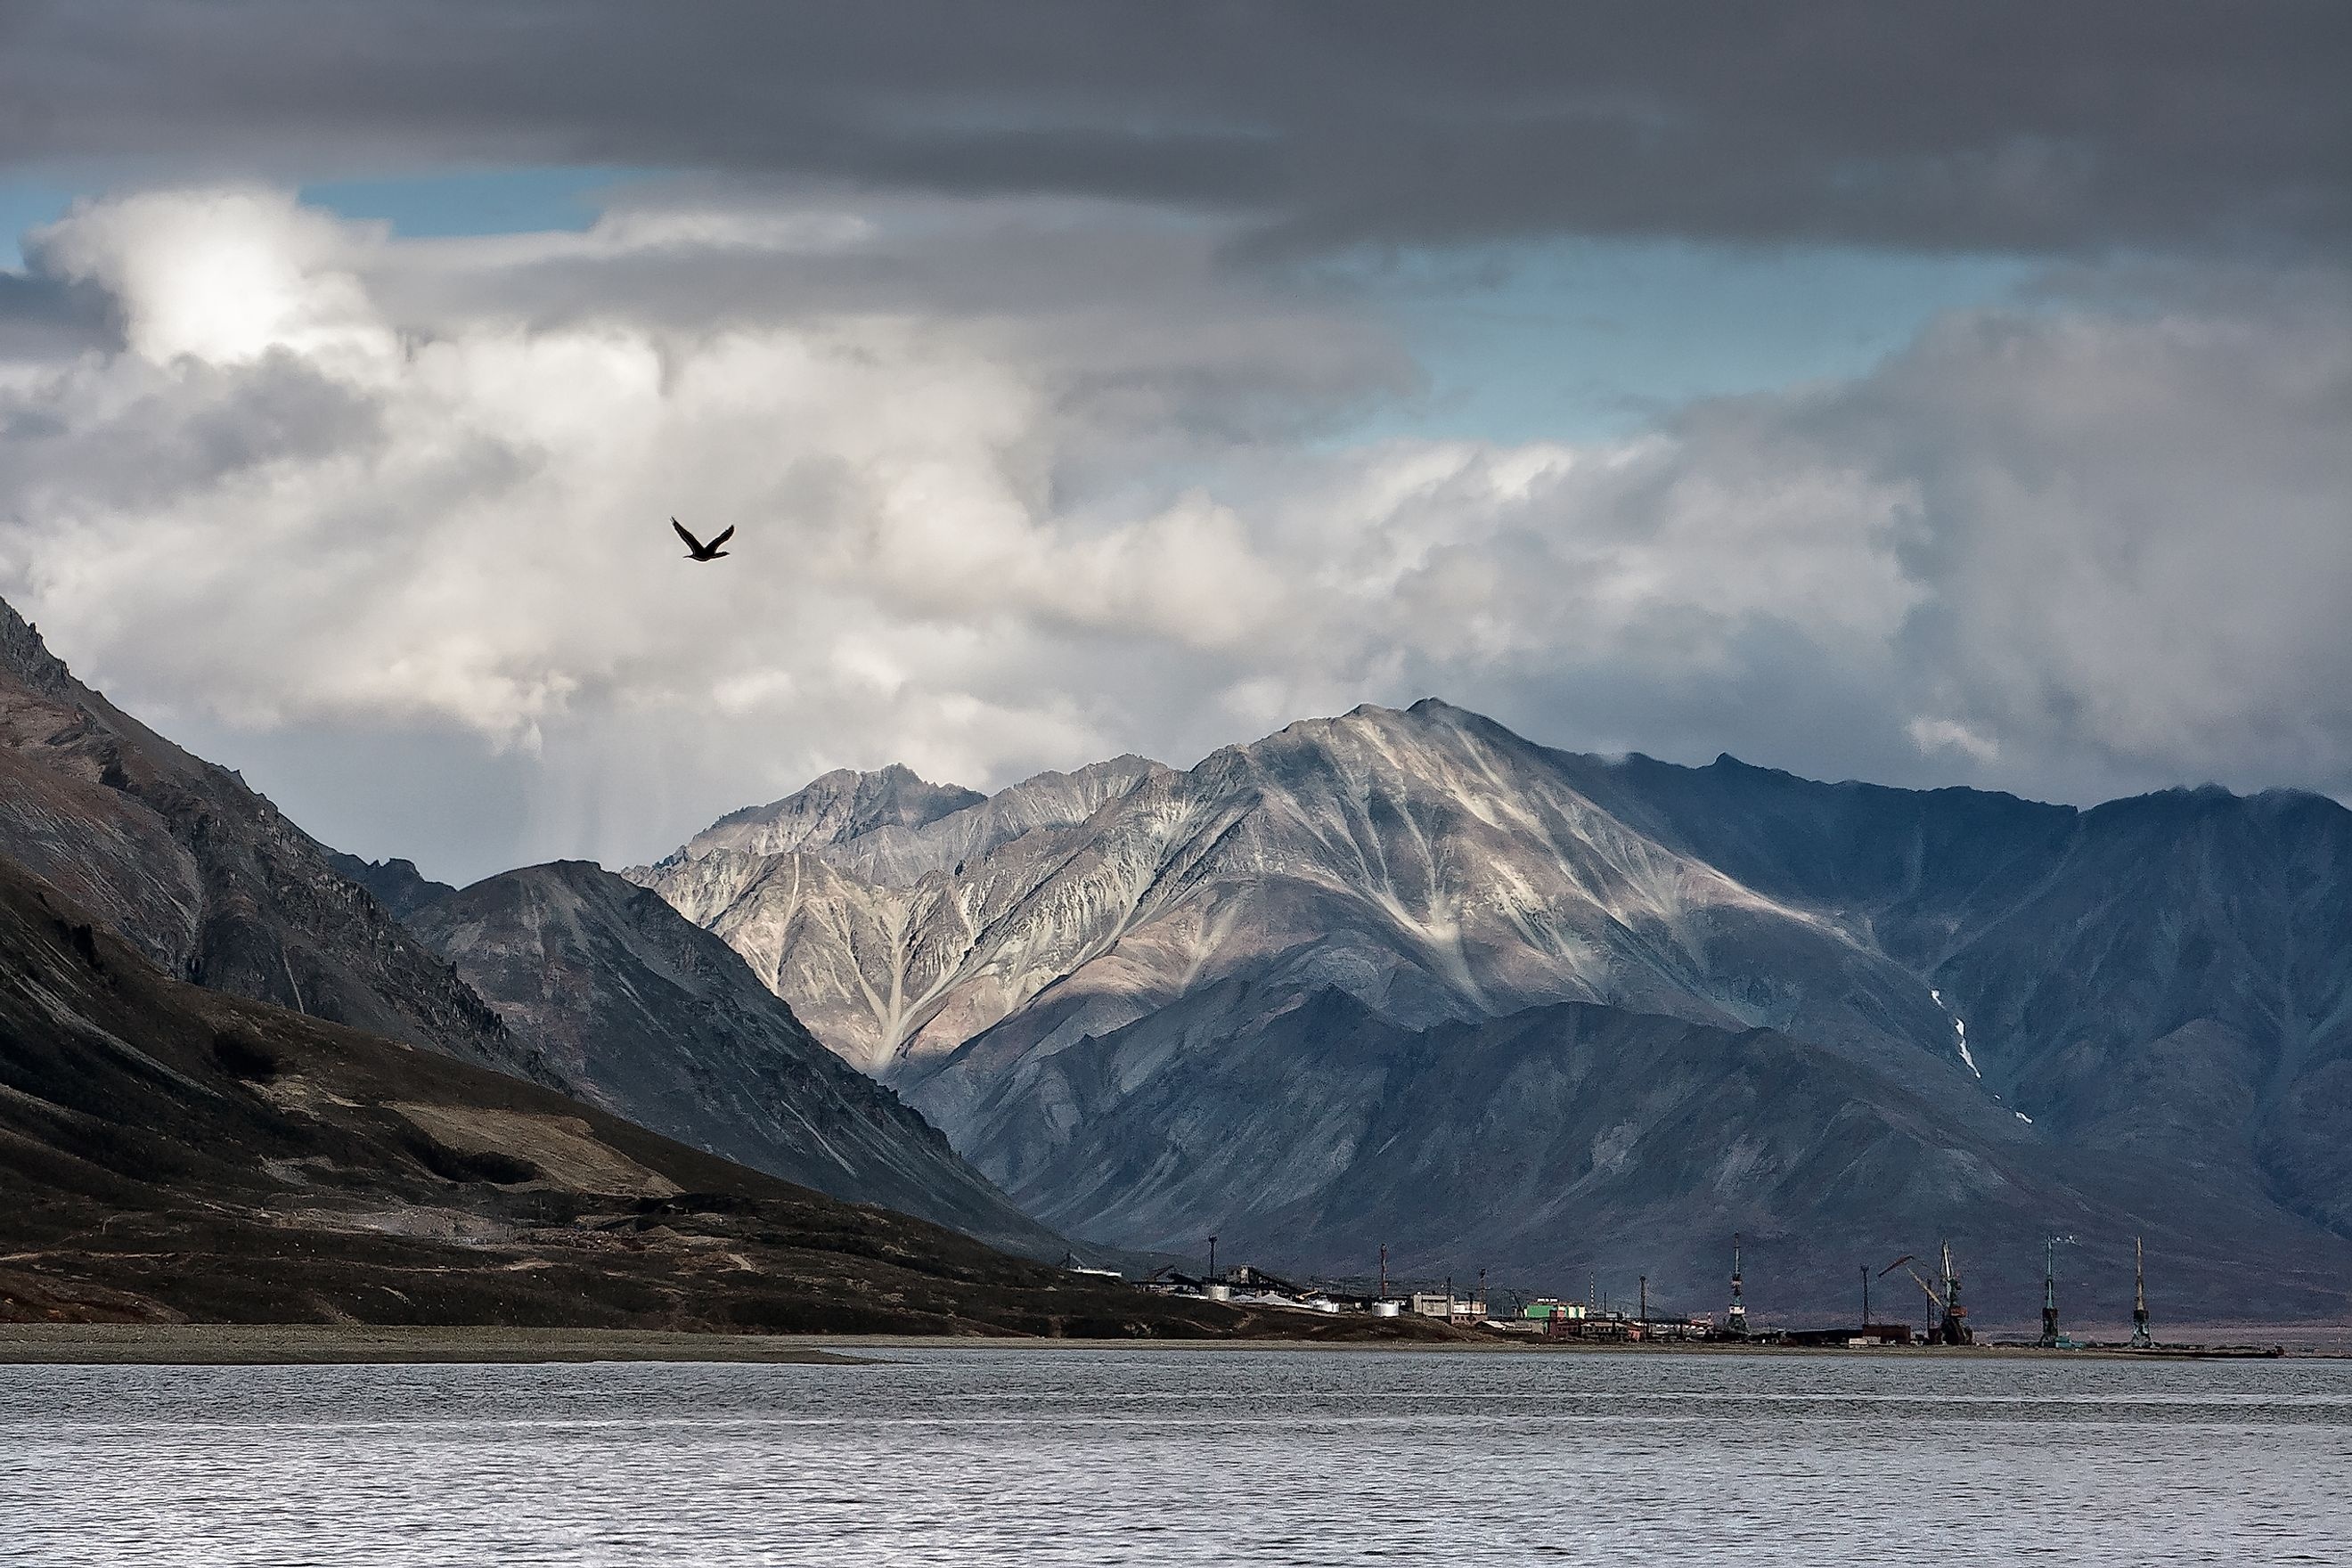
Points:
(2173, 966)
(613, 996)
(657, 1020)
(1574, 1142)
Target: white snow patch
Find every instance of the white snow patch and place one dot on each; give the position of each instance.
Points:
(2022, 1117)
(1960, 1034)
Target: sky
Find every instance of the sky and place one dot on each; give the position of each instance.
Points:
(1932, 393)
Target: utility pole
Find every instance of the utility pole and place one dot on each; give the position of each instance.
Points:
(1480, 1303)
(1865, 1301)
(2140, 1339)
(1645, 1299)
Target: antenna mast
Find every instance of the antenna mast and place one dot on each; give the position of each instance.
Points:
(2140, 1339)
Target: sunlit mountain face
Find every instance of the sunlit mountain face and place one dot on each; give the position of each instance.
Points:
(1407, 977)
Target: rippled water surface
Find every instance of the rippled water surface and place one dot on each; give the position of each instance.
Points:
(1110, 1455)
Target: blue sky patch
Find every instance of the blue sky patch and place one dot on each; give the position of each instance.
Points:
(1584, 338)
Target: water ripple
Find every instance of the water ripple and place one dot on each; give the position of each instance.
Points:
(1083, 1456)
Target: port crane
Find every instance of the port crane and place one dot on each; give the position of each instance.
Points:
(1948, 1320)
(2050, 1338)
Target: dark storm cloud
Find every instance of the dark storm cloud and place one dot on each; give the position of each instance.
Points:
(941, 303)
(2014, 126)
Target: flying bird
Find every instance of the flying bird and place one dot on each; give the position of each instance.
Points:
(697, 551)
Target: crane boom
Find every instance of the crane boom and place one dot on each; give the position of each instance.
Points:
(1933, 1294)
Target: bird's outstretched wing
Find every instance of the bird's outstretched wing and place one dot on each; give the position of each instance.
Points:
(724, 537)
(691, 542)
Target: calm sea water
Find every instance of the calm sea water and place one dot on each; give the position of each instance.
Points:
(1109, 1456)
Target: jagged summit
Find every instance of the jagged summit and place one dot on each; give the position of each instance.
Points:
(25, 656)
(396, 883)
(832, 808)
(1428, 861)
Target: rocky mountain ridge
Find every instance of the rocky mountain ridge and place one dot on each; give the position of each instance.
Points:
(1430, 863)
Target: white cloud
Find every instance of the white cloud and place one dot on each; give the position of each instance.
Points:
(1933, 735)
(1016, 489)
(224, 276)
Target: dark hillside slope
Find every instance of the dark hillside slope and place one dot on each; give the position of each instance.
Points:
(171, 1153)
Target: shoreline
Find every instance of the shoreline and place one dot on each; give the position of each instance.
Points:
(306, 1344)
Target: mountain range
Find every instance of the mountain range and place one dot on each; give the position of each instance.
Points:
(1406, 977)
(1395, 980)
